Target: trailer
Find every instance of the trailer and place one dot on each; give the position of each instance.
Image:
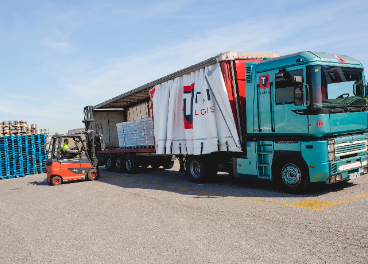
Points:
(294, 120)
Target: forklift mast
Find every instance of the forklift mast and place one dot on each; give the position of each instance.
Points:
(94, 139)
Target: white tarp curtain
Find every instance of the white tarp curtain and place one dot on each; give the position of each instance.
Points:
(192, 114)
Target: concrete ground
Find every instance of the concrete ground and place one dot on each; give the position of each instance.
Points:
(159, 216)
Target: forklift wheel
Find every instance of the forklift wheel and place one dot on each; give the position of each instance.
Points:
(92, 174)
(56, 180)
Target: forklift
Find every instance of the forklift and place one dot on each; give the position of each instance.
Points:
(81, 162)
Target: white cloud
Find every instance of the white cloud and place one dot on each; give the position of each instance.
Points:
(337, 28)
(62, 46)
(285, 34)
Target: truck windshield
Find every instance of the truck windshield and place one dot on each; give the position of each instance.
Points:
(335, 87)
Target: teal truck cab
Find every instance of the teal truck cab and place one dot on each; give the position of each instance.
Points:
(306, 120)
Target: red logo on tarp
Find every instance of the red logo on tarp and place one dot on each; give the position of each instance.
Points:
(188, 106)
(339, 59)
(152, 91)
(319, 123)
(264, 81)
(334, 76)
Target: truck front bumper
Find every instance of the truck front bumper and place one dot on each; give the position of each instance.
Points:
(340, 170)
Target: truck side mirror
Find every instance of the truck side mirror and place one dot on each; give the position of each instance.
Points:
(298, 80)
(354, 88)
(298, 95)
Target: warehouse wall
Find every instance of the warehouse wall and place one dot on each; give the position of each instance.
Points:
(140, 111)
(108, 120)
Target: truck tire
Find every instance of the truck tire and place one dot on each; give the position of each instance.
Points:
(292, 176)
(92, 175)
(56, 180)
(130, 163)
(119, 163)
(110, 164)
(199, 169)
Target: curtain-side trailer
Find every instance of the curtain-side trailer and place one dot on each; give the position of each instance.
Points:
(294, 120)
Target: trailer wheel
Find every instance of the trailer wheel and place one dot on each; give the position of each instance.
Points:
(119, 164)
(92, 174)
(130, 163)
(56, 180)
(110, 166)
(198, 169)
(292, 176)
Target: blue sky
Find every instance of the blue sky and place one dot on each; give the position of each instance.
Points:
(58, 56)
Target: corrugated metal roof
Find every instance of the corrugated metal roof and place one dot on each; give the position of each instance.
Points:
(142, 92)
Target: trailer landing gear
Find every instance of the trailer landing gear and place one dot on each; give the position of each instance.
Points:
(182, 164)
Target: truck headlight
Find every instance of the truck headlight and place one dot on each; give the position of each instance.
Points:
(331, 150)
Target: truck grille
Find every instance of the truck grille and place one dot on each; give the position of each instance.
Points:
(350, 148)
(334, 168)
(249, 74)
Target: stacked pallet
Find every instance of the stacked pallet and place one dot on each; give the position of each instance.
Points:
(19, 127)
(22, 155)
(136, 133)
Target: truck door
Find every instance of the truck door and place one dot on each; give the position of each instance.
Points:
(290, 120)
(264, 102)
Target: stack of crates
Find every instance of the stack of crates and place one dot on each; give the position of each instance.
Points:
(22, 155)
(121, 137)
(136, 133)
(130, 134)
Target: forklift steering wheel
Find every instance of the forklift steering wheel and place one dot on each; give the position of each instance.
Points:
(342, 96)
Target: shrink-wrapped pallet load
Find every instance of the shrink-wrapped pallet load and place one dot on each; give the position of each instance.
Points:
(136, 133)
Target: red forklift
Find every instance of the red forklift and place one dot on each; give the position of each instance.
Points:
(80, 161)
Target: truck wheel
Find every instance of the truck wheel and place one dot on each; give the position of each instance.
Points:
(119, 164)
(92, 174)
(292, 176)
(110, 166)
(198, 169)
(56, 180)
(130, 163)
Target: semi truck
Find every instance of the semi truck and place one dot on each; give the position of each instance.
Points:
(294, 120)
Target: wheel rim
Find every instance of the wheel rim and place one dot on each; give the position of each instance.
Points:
(93, 174)
(291, 175)
(56, 180)
(195, 169)
(118, 164)
(109, 163)
(128, 164)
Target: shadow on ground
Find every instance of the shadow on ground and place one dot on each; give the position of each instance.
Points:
(221, 186)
